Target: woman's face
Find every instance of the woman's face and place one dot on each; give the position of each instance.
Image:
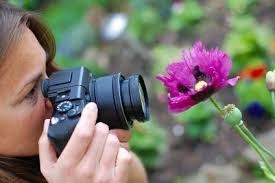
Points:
(23, 107)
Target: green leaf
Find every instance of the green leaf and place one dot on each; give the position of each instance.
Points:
(149, 142)
(200, 112)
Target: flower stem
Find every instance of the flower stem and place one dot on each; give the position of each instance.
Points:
(255, 147)
(254, 140)
(248, 137)
(216, 105)
(273, 98)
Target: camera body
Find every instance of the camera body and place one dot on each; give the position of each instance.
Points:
(119, 101)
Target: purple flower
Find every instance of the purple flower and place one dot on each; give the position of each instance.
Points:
(198, 75)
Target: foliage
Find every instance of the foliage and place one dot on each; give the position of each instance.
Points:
(162, 55)
(69, 62)
(76, 39)
(61, 15)
(149, 142)
(147, 20)
(179, 179)
(27, 4)
(199, 123)
(256, 171)
(254, 90)
(157, 17)
(111, 6)
(247, 42)
(241, 7)
(189, 15)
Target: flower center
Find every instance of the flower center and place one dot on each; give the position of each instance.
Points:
(182, 89)
(200, 85)
(199, 75)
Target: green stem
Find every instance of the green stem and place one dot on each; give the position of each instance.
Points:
(273, 99)
(254, 146)
(216, 105)
(255, 141)
(249, 138)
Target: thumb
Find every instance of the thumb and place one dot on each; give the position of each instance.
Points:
(47, 154)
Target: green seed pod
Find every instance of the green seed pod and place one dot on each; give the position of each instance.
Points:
(232, 115)
(270, 80)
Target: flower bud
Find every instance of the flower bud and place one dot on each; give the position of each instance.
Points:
(270, 80)
(232, 115)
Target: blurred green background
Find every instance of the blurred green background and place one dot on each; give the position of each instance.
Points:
(143, 36)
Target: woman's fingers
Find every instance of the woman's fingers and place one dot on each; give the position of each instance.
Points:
(123, 164)
(107, 162)
(94, 153)
(109, 154)
(81, 137)
(123, 135)
(47, 153)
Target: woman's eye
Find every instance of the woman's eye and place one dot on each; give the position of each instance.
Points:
(32, 93)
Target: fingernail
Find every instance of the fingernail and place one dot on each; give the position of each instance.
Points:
(91, 106)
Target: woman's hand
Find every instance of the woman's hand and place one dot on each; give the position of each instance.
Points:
(123, 137)
(91, 155)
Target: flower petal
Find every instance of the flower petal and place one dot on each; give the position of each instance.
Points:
(214, 58)
(233, 81)
(180, 104)
(180, 72)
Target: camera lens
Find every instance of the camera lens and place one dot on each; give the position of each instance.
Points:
(127, 97)
(136, 90)
(142, 99)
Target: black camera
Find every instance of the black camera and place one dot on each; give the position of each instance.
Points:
(119, 101)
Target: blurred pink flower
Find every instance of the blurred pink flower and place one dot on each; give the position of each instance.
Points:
(198, 75)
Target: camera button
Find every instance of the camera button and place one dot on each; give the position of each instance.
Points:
(71, 113)
(54, 120)
(62, 118)
(64, 106)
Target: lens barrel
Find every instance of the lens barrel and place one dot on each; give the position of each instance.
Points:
(120, 101)
(134, 98)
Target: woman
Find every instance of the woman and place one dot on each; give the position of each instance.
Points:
(92, 154)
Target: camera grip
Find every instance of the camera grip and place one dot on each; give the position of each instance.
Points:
(60, 133)
(65, 118)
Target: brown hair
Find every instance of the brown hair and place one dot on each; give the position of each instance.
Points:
(12, 22)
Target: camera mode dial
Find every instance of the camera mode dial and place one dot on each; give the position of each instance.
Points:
(64, 106)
